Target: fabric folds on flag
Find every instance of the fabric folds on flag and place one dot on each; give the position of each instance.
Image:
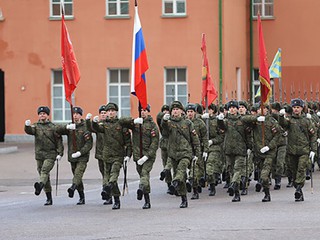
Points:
(139, 63)
(264, 78)
(275, 68)
(70, 68)
(208, 89)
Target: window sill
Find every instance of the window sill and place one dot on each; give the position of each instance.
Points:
(116, 17)
(59, 18)
(174, 16)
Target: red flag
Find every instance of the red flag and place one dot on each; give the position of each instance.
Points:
(70, 69)
(264, 77)
(208, 89)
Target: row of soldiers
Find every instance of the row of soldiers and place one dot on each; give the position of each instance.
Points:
(196, 148)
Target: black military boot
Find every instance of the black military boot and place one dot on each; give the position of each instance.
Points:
(232, 188)
(116, 204)
(140, 192)
(244, 186)
(81, 199)
(189, 186)
(298, 194)
(308, 174)
(227, 184)
(71, 190)
(258, 187)
(38, 187)
(202, 182)
(104, 194)
(108, 201)
(290, 183)
(199, 189)
(195, 194)
(184, 202)
(277, 184)
(170, 189)
(267, 197)
(236, 197)
(49, 199)
(212, 189)
(147, 204)
(163, 174)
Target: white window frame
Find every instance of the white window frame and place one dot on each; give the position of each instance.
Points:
(262, 7)
(63, 97)
(174, 10)
(67, 3)
(176, 85)
(119, 85)
(118, 9)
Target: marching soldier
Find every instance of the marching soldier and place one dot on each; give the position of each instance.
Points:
(99, 145)
(183, 146)
(301, 144)
(116, 150)
(150, 142)
(48, 149)
(265, 147)
(79, 146)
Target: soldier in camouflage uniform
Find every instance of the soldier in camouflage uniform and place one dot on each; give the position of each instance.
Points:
(145, 157)
(214, 163)
(197, 170)
(235, 147)
(79, 146)
(48, 149)
(116, 150)
(301, 144)
(183, 146)
(265, 147)
(279, 160)
(99, 145)
(164, 175)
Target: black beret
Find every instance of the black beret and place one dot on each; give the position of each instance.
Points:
(44, 109)
(78, 110)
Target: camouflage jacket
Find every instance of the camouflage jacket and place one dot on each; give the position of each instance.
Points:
(164, 134)
(271, 134)
(201, 130)
(47, 142)
(301, 134)
(216, 135)
(183, 141)
(99, 139)
(117, 140)
(83, 141)
(150, 137)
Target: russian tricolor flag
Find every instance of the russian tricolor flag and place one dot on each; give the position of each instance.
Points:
(139, 63)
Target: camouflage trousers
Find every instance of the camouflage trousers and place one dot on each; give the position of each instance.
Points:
(298, 166)
(78, 169)
(164, 157)
(44, 167)
(235, 167)
(144, 173)
(279, 161)
(179, 173)
(214, 166)
(111, 175)
(265, 165)
(196, 171)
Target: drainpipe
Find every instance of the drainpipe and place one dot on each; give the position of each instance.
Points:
(251, 55)
(220, 51)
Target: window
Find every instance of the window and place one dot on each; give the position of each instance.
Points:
(174, 7)
(256, 86)
(55, 8)
(61, 111)
(117, 8)
(264, 6)
(119, 90)
(176, 85)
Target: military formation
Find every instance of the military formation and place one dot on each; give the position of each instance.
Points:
(234, 144)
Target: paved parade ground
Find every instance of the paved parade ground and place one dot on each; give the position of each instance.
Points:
(23, 216)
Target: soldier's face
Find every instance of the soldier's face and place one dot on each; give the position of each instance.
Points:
(191, 114)
(76, 117)
(233, 110)
(43, 116)
(265, 111)
(297, 110)
(242, 110)
(144, 113)
(166, 111)
(176, 112)
(211, 112)
(112, 113)
(103, 115)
